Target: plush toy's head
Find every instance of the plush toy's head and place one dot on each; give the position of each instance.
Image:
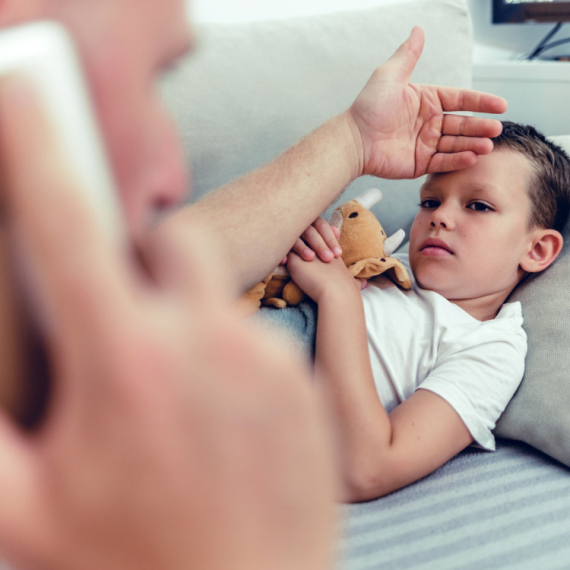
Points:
(365, 247)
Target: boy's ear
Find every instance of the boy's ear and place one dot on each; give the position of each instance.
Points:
(546, 246)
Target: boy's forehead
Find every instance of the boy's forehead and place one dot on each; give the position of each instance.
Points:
(496, 174)
(468, 183)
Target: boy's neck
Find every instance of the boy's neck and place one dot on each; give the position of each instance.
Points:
(483, 308)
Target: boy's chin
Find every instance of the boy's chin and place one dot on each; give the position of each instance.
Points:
(435, 284)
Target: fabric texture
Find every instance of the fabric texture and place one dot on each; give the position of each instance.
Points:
(480, 511)
(296, 327)
(539, 412)
(252, 90)
(418, 339)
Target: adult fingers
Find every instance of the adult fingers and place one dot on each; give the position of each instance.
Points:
(18, 479)
(403, 62)
(461, 144)
(454, 99)
(460, 125)
(447, 162)
(72, 265)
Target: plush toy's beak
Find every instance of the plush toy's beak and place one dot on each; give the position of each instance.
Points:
(393, 242)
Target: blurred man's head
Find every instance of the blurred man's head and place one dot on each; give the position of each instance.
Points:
(125, 46)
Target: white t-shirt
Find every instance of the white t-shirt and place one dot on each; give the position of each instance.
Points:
(417, 338)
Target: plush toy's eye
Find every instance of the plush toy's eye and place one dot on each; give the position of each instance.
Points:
(353, 215)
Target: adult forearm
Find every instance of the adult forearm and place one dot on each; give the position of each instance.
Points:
(258, 217)
(344, 377)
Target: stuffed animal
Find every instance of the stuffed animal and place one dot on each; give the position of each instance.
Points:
(365, 248)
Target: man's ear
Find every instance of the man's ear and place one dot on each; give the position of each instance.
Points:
(546, 246)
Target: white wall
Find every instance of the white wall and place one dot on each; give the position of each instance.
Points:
(228, 11)
(511, 37)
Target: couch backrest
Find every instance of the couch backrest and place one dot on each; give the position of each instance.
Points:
(252, 90)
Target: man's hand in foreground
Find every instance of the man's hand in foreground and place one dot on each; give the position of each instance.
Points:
(174, 437)
(401, 130)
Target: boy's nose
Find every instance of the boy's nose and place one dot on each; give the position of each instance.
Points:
(442, 218)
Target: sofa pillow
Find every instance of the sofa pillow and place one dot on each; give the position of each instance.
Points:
(252, 90)
(539, 413)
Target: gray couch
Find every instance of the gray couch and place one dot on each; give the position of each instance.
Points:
(254, 89)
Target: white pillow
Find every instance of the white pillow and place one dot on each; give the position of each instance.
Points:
(563, 141)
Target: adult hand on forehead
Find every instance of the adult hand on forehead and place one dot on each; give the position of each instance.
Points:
(402, 130)
(174, 437)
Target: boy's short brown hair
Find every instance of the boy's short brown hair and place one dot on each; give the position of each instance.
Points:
(549, 189)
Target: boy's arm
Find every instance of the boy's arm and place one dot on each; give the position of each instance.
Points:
(380, 452)
(394, 129)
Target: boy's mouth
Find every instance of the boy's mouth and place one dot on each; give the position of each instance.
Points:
(435, 247)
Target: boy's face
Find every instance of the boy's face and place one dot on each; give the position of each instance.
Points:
(125, 46)
(481, 216)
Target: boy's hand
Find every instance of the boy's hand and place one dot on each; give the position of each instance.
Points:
(317, 278)
(400, 129)
(319, 238)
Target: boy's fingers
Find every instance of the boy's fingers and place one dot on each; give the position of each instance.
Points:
(304, 251)
(459, 144)
(293, 260)
(316, 242)
(329, 236)
(73, 266)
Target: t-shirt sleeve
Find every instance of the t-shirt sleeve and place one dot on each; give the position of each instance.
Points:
(479, 380)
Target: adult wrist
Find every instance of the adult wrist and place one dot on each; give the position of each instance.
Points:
(355, 146)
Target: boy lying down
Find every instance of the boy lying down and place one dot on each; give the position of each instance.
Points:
(413, 377)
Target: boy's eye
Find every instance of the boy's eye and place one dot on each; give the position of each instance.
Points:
(480, 207)
(428, 203)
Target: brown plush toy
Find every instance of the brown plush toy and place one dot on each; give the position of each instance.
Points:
(365, 251)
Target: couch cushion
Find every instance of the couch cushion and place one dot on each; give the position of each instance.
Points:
(539, 413)
(252, 90)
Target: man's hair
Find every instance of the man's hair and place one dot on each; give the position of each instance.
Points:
(549, 187)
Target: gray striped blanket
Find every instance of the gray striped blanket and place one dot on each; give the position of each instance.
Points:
(482, 510)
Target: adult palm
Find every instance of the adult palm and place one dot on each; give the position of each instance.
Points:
(403, 130)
